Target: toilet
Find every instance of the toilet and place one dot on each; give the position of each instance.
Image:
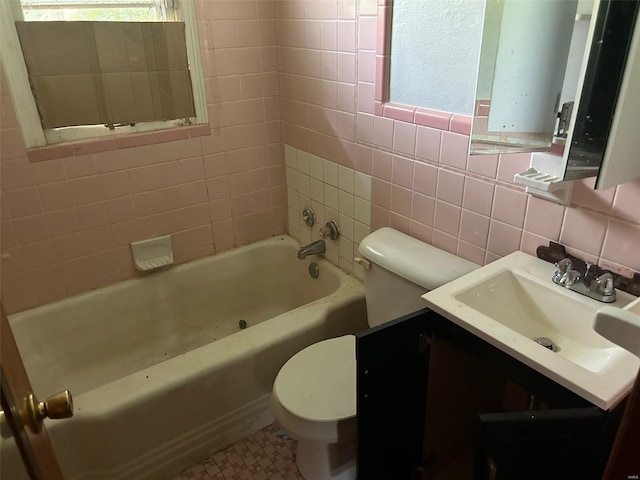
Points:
(314, 394)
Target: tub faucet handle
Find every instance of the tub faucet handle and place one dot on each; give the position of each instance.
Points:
(308, 217)
(330, 230)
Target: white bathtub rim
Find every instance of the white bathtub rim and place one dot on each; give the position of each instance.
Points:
(176, 270)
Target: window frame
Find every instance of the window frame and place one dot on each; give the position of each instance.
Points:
(162, 7)
(17, 80)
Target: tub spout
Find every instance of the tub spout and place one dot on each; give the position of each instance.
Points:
(314, 248)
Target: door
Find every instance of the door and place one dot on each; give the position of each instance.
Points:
(551, 444)
(392, 367)
(624, 461)
(35, 448)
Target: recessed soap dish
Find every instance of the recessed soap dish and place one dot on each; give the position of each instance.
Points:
(152, 253)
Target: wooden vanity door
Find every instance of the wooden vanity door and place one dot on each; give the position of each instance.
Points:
(392, 366)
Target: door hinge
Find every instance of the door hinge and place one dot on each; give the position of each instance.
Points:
(424, 340)
(564, 119)
(416, 472)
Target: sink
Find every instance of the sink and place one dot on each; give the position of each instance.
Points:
(535, 310)
(512, 302)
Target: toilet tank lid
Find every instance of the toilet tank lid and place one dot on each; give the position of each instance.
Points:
(416, 261)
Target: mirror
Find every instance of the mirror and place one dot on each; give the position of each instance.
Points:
(549, 55)
(534, 57)
(527, 46)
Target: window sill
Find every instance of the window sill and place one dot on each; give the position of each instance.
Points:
(117, 142)
(451, 122)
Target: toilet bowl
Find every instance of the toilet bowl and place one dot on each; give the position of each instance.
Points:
(314, 401)
(314, 394)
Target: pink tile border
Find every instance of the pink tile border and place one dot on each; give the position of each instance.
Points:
(460, 124)
(432, 118)
(403, 113)
(383, 42)
(50, 153)
(121, 142)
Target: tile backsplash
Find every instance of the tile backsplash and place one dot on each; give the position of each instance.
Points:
(333, 192)
(300, 73)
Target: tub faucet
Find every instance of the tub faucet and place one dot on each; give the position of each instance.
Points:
(314, 248)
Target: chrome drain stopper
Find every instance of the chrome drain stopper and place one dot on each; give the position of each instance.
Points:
(545, 342)
(314, 270)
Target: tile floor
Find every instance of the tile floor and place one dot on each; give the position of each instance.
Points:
(261, 456)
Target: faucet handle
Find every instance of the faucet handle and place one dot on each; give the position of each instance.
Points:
(308, 217)
(604, 284)
(570, 278)
(330, 230)
(563, 266)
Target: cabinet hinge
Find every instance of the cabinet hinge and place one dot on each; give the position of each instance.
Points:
(416, 472)
(425, 340)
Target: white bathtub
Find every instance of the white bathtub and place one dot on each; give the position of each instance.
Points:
(160, 371)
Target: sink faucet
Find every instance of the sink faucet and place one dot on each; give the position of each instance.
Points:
(314, 248)
(599, 287)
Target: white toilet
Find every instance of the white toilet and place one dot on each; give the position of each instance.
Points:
(314, 394)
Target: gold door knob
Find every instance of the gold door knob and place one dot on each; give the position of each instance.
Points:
(59, 405)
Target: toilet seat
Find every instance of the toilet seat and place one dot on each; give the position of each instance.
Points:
(318, 384)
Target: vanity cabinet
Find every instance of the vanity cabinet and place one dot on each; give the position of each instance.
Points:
(436, 402)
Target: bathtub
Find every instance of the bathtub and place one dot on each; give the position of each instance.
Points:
(162, 373)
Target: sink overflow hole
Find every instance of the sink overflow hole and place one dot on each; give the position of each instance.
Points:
(242, 324)
(546, 343)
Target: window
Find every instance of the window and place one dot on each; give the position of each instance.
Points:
(102, 10)
(93, 13)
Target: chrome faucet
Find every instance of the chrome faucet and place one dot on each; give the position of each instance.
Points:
(600, 287)
(314, 248)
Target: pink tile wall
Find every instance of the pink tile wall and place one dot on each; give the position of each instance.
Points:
(301, 72)
(464, 204)
(67, 222)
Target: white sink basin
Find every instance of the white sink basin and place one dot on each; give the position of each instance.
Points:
(512, 302)
(535, 310)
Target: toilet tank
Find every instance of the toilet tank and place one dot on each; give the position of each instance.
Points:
(402, 270)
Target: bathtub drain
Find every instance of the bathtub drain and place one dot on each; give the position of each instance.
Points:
(314, 270)
(242, 324)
